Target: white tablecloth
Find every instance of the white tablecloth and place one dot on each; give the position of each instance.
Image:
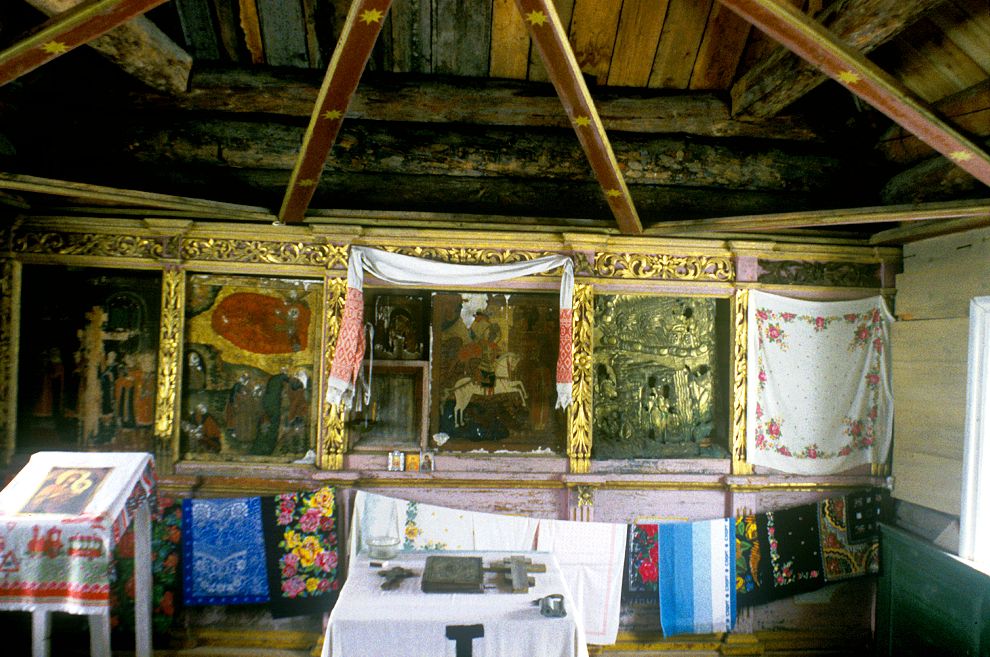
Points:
(370, 622)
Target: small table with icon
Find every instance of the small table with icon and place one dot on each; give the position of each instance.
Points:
(60, 518)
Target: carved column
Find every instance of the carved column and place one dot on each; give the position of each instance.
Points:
(169, 366)
(332, 437)
(579, 412)
(10, 294)
(740, 313)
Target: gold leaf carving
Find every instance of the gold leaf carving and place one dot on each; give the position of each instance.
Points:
(664, 267)
(89, 244)
(169, 361)
(271, 252)
(739, 337)
(579, 412)
(333, 436)
(480, 256)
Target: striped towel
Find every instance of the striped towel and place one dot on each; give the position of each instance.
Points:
(697, 577)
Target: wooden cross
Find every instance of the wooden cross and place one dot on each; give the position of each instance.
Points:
(393, 576)
(516, 569)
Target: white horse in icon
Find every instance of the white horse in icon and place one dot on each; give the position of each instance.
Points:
(466, 388)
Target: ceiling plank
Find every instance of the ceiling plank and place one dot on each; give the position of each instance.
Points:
(781, 78)
(138, 47)
(283, 33)
(592, 35)
(412, 49)
(66, 31)
(510, 40)
(461, 37)
(934, 179)
(927, 229)
(636, 43)
(358, 36)
(537, 71)
(680, 40)
(723, 44)
(823, 218)
(859, 75)
(251, 24)
(551, 41)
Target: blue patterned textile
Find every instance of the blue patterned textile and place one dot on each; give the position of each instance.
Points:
(697, 577)
(223, 552)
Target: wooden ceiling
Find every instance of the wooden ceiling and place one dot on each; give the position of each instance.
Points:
(669, 116)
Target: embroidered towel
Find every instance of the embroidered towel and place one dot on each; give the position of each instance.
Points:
(223, 552)
(818, 392)
(591, 555)
(301, 551)
(697, 577)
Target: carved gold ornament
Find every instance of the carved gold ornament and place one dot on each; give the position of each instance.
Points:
(274, 252)
(664, 267)
(740, 316)
(89, 244)
(332, 441)
(579, 412)
(169, 361)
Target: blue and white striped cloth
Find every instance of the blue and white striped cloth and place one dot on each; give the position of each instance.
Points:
(697, 577)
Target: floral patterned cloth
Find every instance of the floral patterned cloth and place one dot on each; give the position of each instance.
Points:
(842, 556)
(751, 580)
(166, 547)
(640, 582)
(301, 544)
(223, 552)
(792, 561)
(819, 396)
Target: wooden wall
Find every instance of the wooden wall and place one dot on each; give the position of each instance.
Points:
(930, 343)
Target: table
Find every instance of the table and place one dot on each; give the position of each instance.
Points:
(370, 622)
(60, 518)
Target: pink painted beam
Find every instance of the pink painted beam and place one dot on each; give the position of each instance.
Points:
(813, 43)
(66, 31)
(360, 31)
(565, 74)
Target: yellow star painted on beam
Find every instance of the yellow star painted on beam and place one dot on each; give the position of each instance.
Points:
(306, 182)
(536, 18)
(370, 16)
(55, 48)
(961, 156)
(332, 115)
(849, 77)
(582, 121)
(613, 193)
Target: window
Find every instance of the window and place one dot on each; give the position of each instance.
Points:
(974, 539)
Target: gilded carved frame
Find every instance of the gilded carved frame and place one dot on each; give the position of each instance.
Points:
(177, 248)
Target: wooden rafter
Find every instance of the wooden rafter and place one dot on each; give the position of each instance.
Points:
(129, 197)
(138, 47)
(852, 69)
(926, 212)
(357, 38)
(780, 78)
(66, 31)
(551, 41)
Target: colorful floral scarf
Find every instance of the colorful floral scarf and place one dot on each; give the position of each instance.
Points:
(843, 557)
(301, 546)
(642, 570)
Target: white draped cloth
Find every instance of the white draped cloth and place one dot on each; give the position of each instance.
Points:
(818, 392)
(591, 555)
(409, 270)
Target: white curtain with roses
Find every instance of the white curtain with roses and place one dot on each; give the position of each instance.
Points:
(818, 394)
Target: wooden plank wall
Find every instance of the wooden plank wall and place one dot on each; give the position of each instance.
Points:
(929, 350)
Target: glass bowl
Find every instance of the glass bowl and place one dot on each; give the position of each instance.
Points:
(383, 547)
